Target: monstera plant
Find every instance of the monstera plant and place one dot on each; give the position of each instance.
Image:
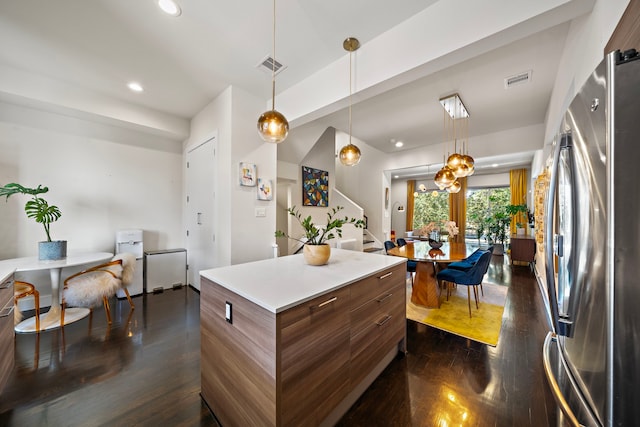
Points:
(43, 213)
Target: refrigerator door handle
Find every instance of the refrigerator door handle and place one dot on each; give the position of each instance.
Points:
(549, 238)
(569, 416)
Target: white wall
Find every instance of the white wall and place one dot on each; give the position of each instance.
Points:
(583, 51)
(516, 140)
(103, 178)
(364, 183)
(321, 157)
(240, 235)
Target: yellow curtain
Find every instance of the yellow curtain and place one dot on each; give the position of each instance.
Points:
(411, 188)
(458, 209)
(518, 184)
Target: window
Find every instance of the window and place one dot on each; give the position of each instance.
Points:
(429, 208)
(481, 204)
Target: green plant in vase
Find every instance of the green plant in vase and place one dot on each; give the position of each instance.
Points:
(41, 212)
(316, 238)
(517, 212)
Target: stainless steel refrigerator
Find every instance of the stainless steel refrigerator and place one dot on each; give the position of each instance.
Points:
(592, 249)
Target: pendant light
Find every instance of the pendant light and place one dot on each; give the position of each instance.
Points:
(272, 125)
(350, 154)
(454, 187)
(455, 127)
(444, 177)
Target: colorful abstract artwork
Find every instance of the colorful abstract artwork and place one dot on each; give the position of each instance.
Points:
(248, 174)
(265, 191)
(315, 187)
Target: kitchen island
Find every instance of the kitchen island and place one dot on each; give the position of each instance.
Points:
(284, 343)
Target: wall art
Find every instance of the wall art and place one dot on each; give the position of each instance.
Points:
(248, 174)
(315, 187)
(265, 189)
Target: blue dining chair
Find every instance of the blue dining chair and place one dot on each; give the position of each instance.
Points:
(468, 262)
(470, 278)
(389, 245)
(401, 242)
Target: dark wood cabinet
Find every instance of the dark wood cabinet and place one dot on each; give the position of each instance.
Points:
(6, 329)
(523, 249)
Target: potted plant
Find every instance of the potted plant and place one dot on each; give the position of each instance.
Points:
(480, 223)
(497, 230)
(515, 211)
(43, 213)
(316, 249)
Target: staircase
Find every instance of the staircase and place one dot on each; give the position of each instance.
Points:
(370, 243)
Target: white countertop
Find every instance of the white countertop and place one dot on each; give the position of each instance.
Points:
(280, 283)
(32, 263)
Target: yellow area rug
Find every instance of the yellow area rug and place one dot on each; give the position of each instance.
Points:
(453, 315)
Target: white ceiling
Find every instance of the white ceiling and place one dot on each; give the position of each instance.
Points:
(183, 63)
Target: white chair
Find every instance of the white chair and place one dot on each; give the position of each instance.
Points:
(97, 284)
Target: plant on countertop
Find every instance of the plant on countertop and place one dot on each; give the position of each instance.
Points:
(319, 236)
(37, 208)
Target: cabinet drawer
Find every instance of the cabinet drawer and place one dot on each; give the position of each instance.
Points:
(314, 357)
(6, 291)
(384, 328)
(364, 290)
(371, 345)
(6, 331)
(376, 308)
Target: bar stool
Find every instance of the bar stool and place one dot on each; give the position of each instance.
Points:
(24, 289)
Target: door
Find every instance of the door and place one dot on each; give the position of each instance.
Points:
(200, 209)
(577, 235)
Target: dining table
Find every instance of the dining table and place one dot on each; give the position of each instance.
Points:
(426, 290)
(51, 319)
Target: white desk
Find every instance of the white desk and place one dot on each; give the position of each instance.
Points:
(52, 318)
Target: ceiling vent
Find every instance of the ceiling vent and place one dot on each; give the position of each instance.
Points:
(518, 79)
(267, 64)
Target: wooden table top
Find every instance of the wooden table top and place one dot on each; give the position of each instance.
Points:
(421, 251)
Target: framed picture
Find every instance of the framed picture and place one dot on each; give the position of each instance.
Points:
(265, 189)
(248, 174)
(315, 187)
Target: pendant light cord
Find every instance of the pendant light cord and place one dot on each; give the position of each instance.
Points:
(350, 90)
(273, 61)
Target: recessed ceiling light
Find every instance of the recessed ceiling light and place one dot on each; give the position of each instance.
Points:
(495, 165)
(399, 144)
(135, 87)
(396, 176)
(170, 7)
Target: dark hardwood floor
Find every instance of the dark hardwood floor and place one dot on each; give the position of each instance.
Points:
(145, 370)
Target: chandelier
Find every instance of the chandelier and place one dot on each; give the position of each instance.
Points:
(455, 128)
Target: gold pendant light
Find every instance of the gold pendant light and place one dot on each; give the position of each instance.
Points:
(272, 125)
(444, 177)
(454, 187)
(455, 127)
(350, 154)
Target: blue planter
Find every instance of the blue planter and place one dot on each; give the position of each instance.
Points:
(51, 251)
